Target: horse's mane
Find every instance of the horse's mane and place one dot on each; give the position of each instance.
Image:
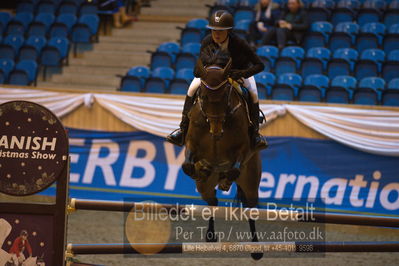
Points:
(213, 55)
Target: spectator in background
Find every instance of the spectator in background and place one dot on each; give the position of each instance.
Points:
(292, 25)
(120, 16)
(267, 14)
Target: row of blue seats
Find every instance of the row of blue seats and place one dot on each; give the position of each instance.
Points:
(75, 7)
(22, 73)
(318, 88)
(288, 87)
(348, 34)
(345, 61)
(15, 48)
(307, 3)
(49, 25)
(328, 10)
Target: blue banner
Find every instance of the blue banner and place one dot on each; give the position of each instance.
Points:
(114, 166)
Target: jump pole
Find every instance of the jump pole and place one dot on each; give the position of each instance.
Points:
(232, 247)
(222, 212)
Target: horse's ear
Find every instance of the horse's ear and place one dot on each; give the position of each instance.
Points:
(227, 67)
(201, 68)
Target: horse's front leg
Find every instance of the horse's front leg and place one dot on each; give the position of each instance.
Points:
(188, 165)
(209, 195)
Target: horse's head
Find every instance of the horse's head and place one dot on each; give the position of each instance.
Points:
(214, 96)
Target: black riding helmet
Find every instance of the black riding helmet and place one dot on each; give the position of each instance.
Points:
(221, 20)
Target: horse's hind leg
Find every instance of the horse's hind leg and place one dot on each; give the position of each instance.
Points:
(208, 193)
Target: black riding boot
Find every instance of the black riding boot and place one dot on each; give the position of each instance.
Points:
(258, 141)
(177, 136)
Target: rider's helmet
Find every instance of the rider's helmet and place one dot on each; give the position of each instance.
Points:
(221, 20)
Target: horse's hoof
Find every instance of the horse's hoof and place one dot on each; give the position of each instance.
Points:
(257, 256)
(204, 173)
(211, 236)
(188, 169)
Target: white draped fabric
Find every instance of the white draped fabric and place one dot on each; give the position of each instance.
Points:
(374, 131)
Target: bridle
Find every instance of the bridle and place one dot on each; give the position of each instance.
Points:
(229, 110)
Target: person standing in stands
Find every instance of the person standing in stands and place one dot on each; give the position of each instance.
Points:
(120, 16)
(245, 64)
(291, 26)
(267, 13)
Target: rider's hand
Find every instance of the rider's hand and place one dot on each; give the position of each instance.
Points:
(236, 74)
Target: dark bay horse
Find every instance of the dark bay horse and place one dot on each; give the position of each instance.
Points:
(218, 149)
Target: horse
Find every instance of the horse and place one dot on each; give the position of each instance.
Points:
(218, 148)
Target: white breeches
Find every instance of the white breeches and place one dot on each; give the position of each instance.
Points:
(249, 83)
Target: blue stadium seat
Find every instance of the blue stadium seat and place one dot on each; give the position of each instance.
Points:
(68, 7)
(7, 51)
(287, 87)
(46, 19)
(185, 60)
(371, 11)
(243, 13)
(37, 42)
(268, 55)
(343, 62)
(37, 28)
(62, 44)
(180, 83)
(58, 29)
(15, 41)
(392, 14)
(313, 88)
(190, 35)
(369, 90)
(18, 77)
(92, 21)
(370, 36)
(88, 8)
(264, 82)
(345, 11)
(25, 6)
(390, 96)
(192, 48)
(197, 23)
(15, 28)
(341, 89)
(289, 61)
(25, 73)
(161, 59)
(390, 68)
(241, 28)
(23, 17)
(159, 80)
(315, 61)
(5, 17)
(369, 64)
(172, 48)
(134, 79)
(32, 48)
(391, 40)
(318, 35)
(343, 36)
(46, 6)
(320, 10)
(6, 65)
(68, 19)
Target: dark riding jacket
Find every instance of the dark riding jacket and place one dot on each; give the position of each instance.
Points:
(243, 57)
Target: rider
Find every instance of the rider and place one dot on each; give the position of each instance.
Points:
(245, 64)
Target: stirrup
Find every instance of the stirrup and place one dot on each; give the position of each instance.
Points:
(176, 137)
